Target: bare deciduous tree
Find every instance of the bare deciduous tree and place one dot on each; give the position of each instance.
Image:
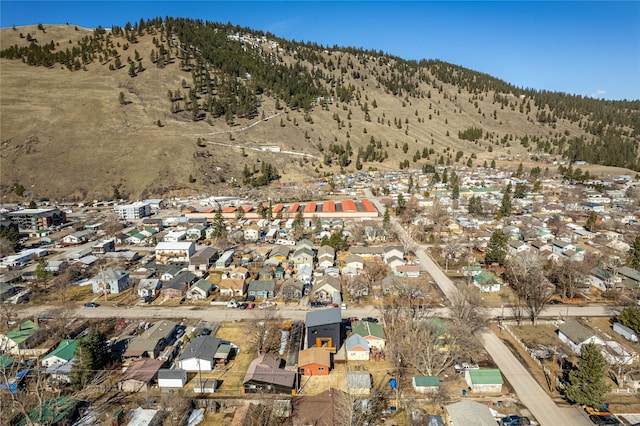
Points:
(467, 311)
(525, 272)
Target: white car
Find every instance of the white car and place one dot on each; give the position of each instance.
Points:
(266, 305)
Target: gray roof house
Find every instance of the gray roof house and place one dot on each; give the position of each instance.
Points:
(111, 280)
(262, 289)
(575, 335)
(199, 291)
(199, 354)
(324, 328)
(467, 412)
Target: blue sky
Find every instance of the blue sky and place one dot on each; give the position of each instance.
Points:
(589, 48)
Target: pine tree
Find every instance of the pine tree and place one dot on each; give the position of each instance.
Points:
(455, 192)
(496, 248)
(92, 354)
(505, 206)
(298, 224)
(386, 219)
(587, 384)
(634, 254)
(219, 229)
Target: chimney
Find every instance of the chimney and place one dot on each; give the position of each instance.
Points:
(36, 321)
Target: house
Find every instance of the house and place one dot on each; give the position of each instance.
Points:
(304, 273)
(103, 247)
(171, 378)
(280, 253)
(408, 271)
(174, 236)
(110, 281)
(630, 277)
(199, 354)
(302, 256)
(324, 329)
(265, 274)
(327, 289)
(323, 409)
(225, 259)
(148, 287)
(62, 354)
(372, 332)
(487, 282)
(78, 237)
(199, 291)
(196, 232)
(251, 232)
(292, 289)
(357, 348)
(174, 252)
(516, 246)
(625, 332)
(604, 279)
(368, 252)
(389, 252)
(202, 260)
(265, 375)
(151, 342)
(145, 417)
(326, 257)
(177, 287)
(136, 238)
(575, 335)
(359, 383)
(488, 380)
(19, 338)
(425, 384)
(231, 287)
(355, 262)
(468, 412)
(558, 247)
(140, 375)
(239, 272)
(314, 362)
(262, 289)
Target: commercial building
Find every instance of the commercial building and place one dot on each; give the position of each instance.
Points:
(37, 219)
(135, 210)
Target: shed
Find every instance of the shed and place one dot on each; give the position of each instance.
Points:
(625, 332)
(359, 382)
(425, 384)
(484, 381)
(172, 378)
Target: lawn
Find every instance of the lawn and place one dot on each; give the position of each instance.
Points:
(233, 375)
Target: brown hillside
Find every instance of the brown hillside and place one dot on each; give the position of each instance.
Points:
(65, 134)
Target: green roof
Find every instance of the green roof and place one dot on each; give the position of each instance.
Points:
(66, 350)
(22, 333)
(5, 362)
(487, 278)
(53, 411)
(365, 328)
(424, 381)
(490, 376)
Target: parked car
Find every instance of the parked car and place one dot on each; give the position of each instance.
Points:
(606, 419)
(267, 305)
(91, 305)
(243, 306)
(555, 302)
(251, 305)
(370, 319)
(205, 332)
(515, 420)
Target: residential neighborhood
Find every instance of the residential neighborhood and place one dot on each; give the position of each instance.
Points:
(226, 302)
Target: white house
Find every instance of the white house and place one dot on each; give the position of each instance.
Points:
(575, 335)
(175, 236)
(199, 354)
(147, 287)
(488, 380)
(174, 252)
(199, 291)
(357, 348)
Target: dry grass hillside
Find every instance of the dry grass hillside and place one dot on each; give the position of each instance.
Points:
(66, 134)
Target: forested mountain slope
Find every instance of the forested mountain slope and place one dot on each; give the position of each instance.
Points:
(178, 105)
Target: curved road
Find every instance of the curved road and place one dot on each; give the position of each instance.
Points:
(532, 395)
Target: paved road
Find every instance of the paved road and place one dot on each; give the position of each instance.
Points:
(532, 395)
